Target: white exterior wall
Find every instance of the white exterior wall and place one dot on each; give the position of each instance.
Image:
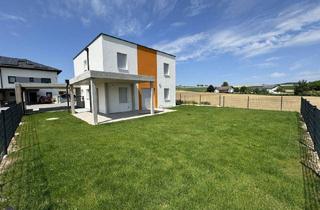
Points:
(79, 65)
(166, 81)
(111, 47)
(108, 97)
(95, 58)
(5, 72)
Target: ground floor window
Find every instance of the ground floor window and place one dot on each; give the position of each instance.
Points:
(49, 94)
(166, 94)
(123, 95)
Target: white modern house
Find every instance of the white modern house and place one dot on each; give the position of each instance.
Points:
(16, 70)
(117, 76)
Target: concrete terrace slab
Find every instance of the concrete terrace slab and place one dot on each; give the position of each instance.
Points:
(87, 116)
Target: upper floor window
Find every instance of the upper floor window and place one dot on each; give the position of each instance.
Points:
(31, 79)
(166, 69)
(122, 61)
(12, 79)
(85, 65)
(45, 80)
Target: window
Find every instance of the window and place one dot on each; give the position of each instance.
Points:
(85, 65)
(11, 79)
(49, 94)
(122, 61)
(166, 69)
(31, 79)
(12, 94)
(123, 95)
(166, 94)
(45, 80)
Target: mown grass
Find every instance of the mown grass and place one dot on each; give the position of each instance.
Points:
(195, 158)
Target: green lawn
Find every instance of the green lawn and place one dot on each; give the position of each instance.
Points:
(194, 158)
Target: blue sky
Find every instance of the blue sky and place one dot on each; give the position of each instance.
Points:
(239, 41)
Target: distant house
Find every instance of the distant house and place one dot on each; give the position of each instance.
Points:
(16, 70)
(224, 89)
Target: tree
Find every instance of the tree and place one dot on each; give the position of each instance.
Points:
(236, 89)
(301, 87)
(315, 85)
(281, 89)
(224, 84)
(210, 88)
(243, 89)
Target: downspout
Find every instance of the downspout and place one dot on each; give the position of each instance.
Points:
(1, 78)
(88, 63)
(88, 66)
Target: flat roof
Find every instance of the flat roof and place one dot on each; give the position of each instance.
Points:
(111, 76)
(114, 37)
(42, 85)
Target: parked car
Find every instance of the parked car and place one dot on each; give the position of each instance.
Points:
(45, 100)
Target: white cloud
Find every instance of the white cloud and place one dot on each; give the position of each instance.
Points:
(277, 74)
(122, 17)
(197, 6)
(272, 59)
(99, 7)
(85, 21)
(246, 41)
(178, 24)
(5, 16)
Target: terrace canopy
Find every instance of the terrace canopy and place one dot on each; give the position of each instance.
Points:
(92, 77)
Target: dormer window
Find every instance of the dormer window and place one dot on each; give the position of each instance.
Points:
(166, 69)
(122, 62)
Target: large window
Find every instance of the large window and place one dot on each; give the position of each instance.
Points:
(122, 61)
(123, 95)
(166, 69)
(166, 94)
(45, 80)
(11, 79)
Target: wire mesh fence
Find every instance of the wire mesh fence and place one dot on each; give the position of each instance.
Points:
(311, 116)
(10, 118)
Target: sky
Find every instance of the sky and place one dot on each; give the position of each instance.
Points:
(239, 41)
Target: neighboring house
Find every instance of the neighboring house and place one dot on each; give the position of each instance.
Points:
(122, 76)
(224, 89)
(16, 70)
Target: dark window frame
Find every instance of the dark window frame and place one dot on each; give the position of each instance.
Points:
(10, 77)
(31, 79)
(45, 80)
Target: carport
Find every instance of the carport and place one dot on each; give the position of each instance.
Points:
(21, 88)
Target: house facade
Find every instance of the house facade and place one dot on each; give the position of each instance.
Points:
(16, 70)
(123, 76)
(224, 89)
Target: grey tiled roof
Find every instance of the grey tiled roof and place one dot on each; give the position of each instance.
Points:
(24, 64)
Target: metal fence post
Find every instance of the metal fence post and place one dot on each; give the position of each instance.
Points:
(5, 151)
(281, 103)
(248, 101)
(219, 100)
(223, 100)
(200, 99)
